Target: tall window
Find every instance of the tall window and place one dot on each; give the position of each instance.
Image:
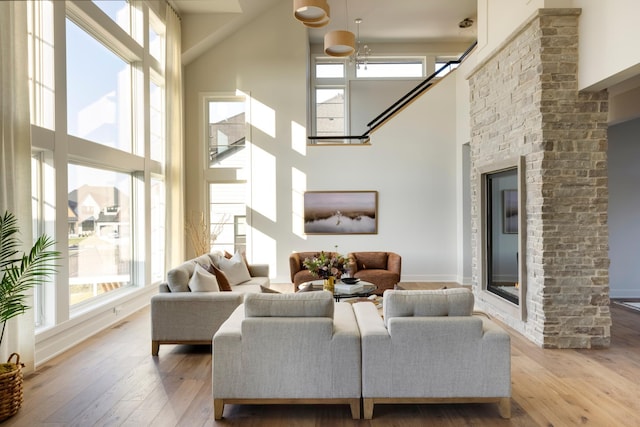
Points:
(100, 222)
(227, 213)
(41, 69)
(226, 134)
(330, 113)
(329, 97)
(91, 180)
(98, 91)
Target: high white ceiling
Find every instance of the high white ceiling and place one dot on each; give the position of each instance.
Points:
(402, 20)
(383, 20)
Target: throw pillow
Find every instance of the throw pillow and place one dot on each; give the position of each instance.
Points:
(223, 282)
(235, 269)
(371, 260)
(178, 278)
(203, 281)
(266, 290)
(227, 255)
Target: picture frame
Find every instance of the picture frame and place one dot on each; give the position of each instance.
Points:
(341, 212)
(510, 211)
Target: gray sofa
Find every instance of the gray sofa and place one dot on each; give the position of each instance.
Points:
(430, 348)
(287, 349)
(179, 316)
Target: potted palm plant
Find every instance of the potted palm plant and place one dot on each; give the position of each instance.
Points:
(18, 274)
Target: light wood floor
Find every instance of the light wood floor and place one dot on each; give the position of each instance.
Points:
(112, 379)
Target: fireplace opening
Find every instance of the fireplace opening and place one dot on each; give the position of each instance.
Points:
(502, 234)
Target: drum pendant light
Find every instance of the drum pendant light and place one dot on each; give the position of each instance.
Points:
(339, 43)
(312, 13)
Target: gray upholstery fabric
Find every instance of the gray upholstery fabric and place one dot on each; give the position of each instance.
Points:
(287, 357)
(432, 356)
(309, 304)
(441, 302)
(190, 316)
(178, 315)
(178, 277)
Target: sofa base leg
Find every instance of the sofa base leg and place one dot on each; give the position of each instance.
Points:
(155, 347)
(218, 408)
(504, 407)
(355, 409)
(367, 405)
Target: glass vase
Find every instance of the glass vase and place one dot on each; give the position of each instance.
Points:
(329, 284)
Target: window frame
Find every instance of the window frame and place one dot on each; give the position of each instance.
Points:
(56, 149)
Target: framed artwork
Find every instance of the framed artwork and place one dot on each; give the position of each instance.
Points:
(510, 211)
(341, 212)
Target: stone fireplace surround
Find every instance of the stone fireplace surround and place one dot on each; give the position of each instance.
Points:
(525, 104)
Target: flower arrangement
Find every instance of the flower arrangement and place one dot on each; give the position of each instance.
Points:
(327, 264)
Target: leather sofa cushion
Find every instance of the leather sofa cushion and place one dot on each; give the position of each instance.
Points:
(375, 260)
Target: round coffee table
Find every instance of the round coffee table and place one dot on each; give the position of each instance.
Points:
(367, 289)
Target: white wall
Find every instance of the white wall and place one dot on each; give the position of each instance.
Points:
(267, 60)
(624, 205)
(609, 34)
(411, 161)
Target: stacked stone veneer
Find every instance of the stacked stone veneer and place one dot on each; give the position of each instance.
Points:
(525, 102)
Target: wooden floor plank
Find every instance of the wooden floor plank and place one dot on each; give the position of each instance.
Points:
(111, 379)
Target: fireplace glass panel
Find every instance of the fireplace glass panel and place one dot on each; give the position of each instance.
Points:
(502, 234)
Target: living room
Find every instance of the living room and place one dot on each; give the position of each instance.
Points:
(417, 163)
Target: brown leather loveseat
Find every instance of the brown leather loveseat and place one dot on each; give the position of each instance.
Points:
(381, 268)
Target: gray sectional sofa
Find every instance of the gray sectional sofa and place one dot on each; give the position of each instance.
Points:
(180, 316)
(429, 347)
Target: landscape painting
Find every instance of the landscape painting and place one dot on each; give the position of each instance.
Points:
(341, 212)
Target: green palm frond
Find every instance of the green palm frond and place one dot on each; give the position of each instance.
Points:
(8, 240)
(21, 273)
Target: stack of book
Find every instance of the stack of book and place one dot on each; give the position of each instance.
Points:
(343, 288)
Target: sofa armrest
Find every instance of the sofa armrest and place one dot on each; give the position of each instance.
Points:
(394, 263)
(369, 320)
(164, 288)
(295, 265)
(190, 316)
(376, 350)
(259, 270)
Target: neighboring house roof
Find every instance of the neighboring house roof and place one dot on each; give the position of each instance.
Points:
(108, 203)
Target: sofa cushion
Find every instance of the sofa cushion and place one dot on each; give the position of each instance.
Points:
(367, 260)
(267, 290)
(442, 302)
(235, 269)
(203, 281)
(306, 304)
(223, 282)
(178, 277)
